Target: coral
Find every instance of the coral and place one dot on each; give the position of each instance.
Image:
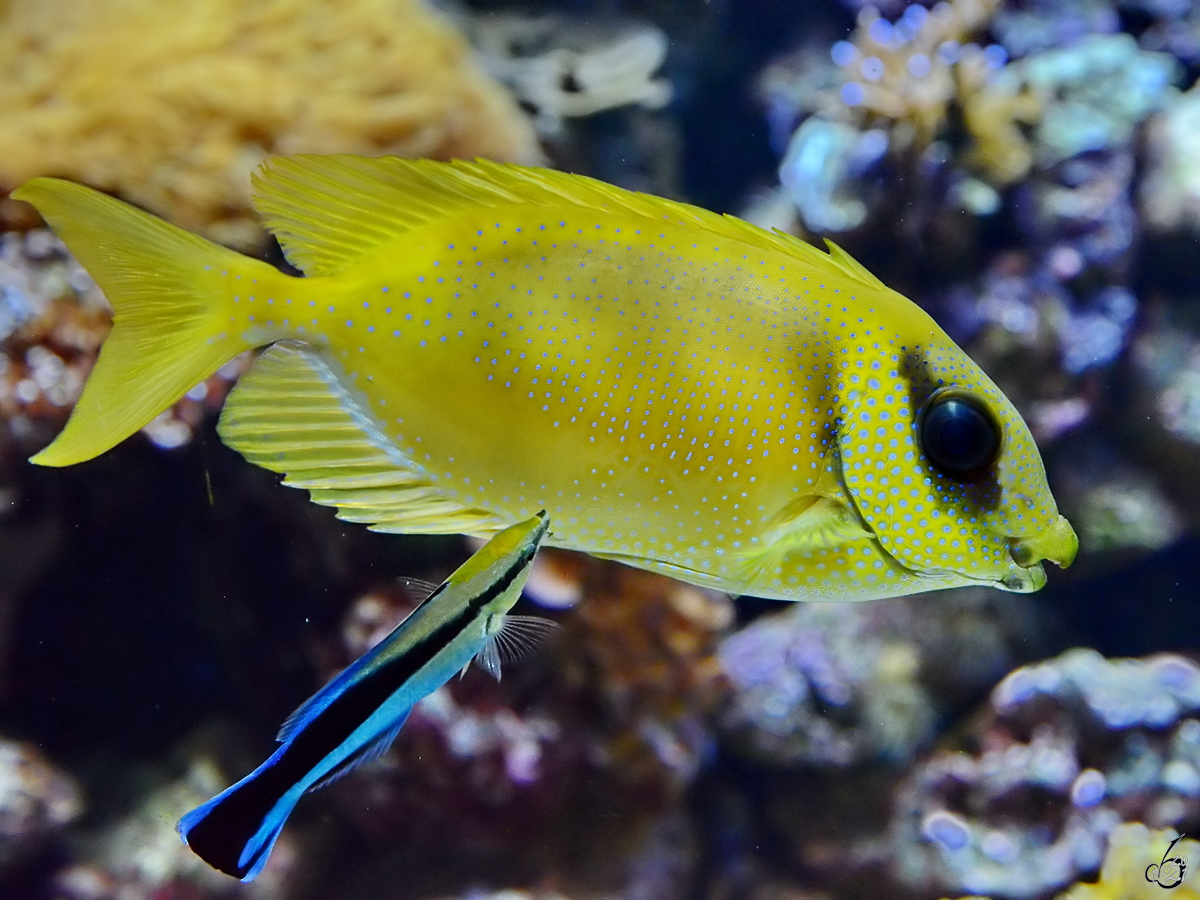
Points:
(1035, 25)
(906, 72)
(36, 802)
(1095, 93)
(560, 68)
(171, 105)
(828, 684)
(1169, 194)
(901, 84)
(140, 857)
(897, 85)
(1070, 749)
(1126, 874)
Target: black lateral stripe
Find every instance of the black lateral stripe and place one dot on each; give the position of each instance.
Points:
(222, 835)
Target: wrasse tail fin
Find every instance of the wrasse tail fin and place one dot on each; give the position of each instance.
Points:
(235, 831)
(292, 414)
(169, 292)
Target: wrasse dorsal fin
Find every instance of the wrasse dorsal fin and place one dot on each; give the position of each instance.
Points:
(516, 638)
(329, 212)
(419, 587)
(292, 414)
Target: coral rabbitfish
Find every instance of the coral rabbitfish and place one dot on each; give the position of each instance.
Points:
(473, 342)
(355, 717)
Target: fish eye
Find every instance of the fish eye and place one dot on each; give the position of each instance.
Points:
(959, 436)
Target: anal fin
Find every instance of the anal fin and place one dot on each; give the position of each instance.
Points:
(292, 414)
(369, 753)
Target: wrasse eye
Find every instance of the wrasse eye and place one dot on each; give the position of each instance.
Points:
(959, 436)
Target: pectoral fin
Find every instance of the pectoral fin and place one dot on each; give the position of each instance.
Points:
(516, 638)
(823, 519)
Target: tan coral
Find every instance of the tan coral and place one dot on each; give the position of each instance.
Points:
(1137, 866)
(171, 103)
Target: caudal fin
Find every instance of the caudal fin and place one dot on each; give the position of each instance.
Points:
(235, 831)
(172, 306)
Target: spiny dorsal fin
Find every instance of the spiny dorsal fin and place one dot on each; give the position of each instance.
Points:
(329, 212)
(851, 266)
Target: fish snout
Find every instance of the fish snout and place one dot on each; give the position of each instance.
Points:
(1058, 544)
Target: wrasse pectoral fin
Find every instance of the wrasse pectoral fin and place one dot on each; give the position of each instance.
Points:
(516, 638)
(419, 587)
(292, 414)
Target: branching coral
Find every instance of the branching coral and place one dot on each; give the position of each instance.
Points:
(171, 104)
(561, 68)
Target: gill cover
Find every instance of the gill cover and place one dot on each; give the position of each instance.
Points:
(939, 519)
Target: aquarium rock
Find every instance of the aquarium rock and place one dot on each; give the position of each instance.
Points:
(37, 801)
(1169, 193)
(1098, 742)
(830, 684)
(823, 172)
(1095, 93)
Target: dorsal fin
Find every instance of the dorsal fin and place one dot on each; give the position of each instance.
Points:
(330, 211)
(291, 413)
(852, 267)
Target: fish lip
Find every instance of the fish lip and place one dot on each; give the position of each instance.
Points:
(1023, 579)
(1057, 544)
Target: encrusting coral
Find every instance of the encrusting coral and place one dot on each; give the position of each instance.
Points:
(171, 104)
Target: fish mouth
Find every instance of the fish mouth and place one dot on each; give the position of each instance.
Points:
(1057, 544)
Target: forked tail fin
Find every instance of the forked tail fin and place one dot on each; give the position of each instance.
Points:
(173, 315)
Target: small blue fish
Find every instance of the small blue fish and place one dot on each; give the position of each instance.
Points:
(357, 715)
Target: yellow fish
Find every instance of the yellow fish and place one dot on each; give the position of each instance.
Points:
(474, 342)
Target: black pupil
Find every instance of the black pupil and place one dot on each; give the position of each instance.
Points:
(959, 438)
